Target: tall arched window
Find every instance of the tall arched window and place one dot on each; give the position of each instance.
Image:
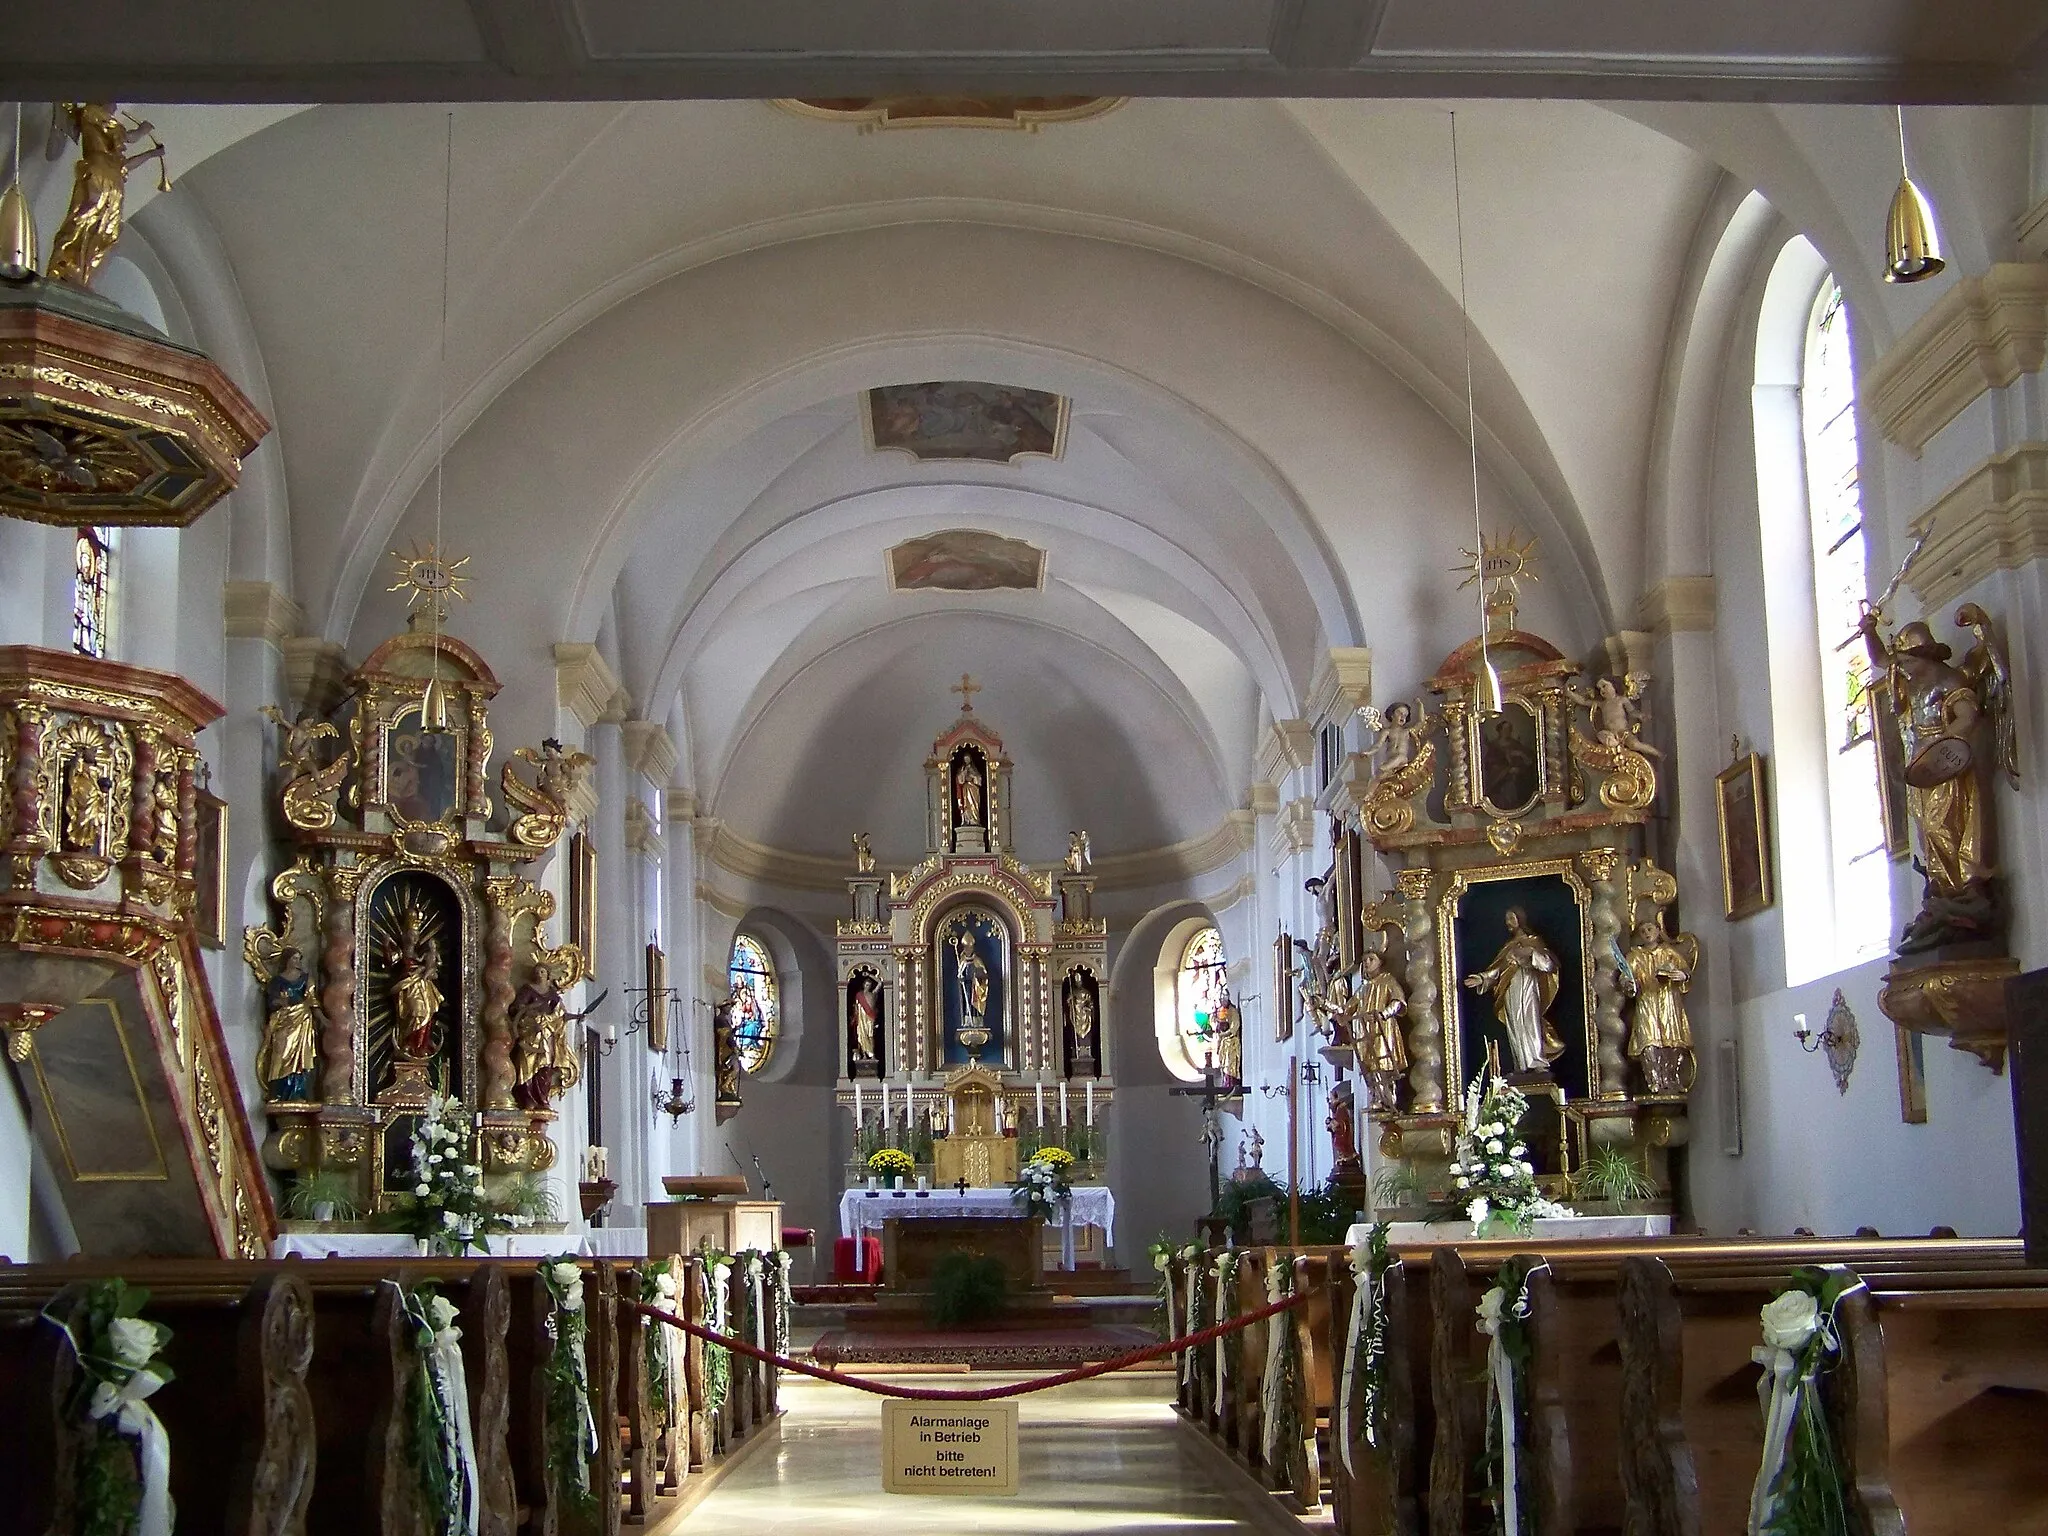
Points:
(1827, 422)
(91, 574)
(1201, 984)
(752, 974)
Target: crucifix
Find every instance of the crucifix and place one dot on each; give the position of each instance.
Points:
(967, 688)
(1214, 1089)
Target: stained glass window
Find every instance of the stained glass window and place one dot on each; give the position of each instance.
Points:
(1827, 410)
(752, 973)
(1201, 985)
(89, 593)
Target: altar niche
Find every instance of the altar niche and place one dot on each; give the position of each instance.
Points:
(416, 1006)
(972, 959)
(1081, 1022)
(1497, 918)
(969, 801)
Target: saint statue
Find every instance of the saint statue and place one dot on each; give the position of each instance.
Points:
(1226, 1026)
(291, 1035)
(863, 1010)
(415, 962)
(1251, 1152)
(85, 806)
(863, 855)
(93, 221)
(1382, 1050)
(163, 796)
(1523, 981)
(967, 792)
(972, 978)
(1081, 1014)
(1657, 972)
(1957, 726)
(544, 1064)
(1079, 856)
(725, 1048)
(1341, 1123)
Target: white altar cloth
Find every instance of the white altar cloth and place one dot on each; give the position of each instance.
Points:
(864, 1210)
(396, 1245)
(1565, 1227)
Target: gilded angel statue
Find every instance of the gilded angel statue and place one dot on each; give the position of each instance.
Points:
(99, 187)
(543, 806)
(1612, 712)
(1404, 760)
(310, 789)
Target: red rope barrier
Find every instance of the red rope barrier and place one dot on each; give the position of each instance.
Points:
(979, 1394)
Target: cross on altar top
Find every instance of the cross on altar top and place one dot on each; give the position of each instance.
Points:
(967, 687)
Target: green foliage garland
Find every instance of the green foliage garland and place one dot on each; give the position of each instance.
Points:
(566, 1390)
(114, 1346)
(428, 1429)
(1369, 1377)
(717, 1358)
(658, 1289)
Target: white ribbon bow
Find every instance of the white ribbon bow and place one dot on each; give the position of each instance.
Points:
(451, 1386)
(1276, 1339)
(1778, 1391)
(1172, 1322)
(1500, 1370)
(136, 1419)
(1225, 1274)
(1187, 1356)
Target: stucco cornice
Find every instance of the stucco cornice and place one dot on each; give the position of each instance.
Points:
(1994, 519)
(1981, 335)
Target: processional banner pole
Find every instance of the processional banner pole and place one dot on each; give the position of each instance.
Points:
(1293, 1143)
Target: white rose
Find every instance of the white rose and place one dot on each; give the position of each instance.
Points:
(1493, 1148)
(1489, 1311)
(565, 1274)
(448, 1219)
(665, 1285)
(1161, 1262)
(721, 1273)
(572, 1299)
(1519, 1149)
(1478, 1210)
(1463, 1182)
(1791, 1320)
(133, 1340)
(420, 1190)
(441, 1312)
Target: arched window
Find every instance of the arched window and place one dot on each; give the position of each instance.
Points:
(752, 973)
(1827, 423)
(91, 573)
(1201, 983)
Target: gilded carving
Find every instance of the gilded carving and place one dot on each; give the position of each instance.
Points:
(1630, 781)
(86, 798)
(543, 805)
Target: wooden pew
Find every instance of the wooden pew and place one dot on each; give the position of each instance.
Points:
(240, 1357)
(1946, 1416)
(1386, 1488)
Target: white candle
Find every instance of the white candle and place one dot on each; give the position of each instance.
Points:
(1063, 1103)
(885, 1106)
(1091, 1103)
(949, 1117)
(1041, 1104)
(856, 1104)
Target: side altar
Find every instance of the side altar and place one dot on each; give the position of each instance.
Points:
(972, 985)
(1528, 928)
(409, 959)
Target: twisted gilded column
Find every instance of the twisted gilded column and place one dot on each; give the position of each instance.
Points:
(1610, 1030)
(337, 1003)
(1425, 1024)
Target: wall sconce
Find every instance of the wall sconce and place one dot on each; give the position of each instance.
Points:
(1839, 1038)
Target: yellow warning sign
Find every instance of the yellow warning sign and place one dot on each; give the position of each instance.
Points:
(963, 1449)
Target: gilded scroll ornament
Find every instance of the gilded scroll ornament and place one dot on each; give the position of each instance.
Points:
(543, 806)
(1630, 778)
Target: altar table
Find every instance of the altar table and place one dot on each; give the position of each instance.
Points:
(397, 1245)
(864, 1210)
(1563, 1227)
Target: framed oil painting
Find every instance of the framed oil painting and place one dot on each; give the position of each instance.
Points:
(657, 999)
(582, 917)
(210, 869)
(1741, 804)
(961, 419)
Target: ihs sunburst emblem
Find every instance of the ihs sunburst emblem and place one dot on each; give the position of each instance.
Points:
(427, 572)
(1501, 563)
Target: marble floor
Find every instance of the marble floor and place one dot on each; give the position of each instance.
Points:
(1099, 1456)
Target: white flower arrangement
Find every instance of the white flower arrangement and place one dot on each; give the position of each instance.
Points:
(1490, 1166)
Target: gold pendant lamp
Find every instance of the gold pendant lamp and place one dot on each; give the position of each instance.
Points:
(1912, 245)
(18, 247)
(1487, 698)
(434, 700)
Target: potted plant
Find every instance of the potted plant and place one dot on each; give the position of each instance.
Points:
(1611, 1182)
(321, 1195)
(892, 1165)
(530, 1197)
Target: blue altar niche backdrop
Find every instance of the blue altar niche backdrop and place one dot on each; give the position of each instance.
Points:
(974, 982)
(1481, 929)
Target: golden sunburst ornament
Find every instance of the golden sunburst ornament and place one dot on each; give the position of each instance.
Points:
(1501, 563)
(427, 572)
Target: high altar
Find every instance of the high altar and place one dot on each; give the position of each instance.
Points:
(972, 984)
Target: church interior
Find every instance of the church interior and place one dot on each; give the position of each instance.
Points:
(1316, 759)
